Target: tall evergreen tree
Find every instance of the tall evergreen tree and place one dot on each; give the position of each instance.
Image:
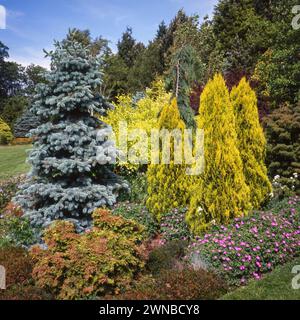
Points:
(220, 192)
(70, 174)
(181, 78)
(168, 183)
(251, 142)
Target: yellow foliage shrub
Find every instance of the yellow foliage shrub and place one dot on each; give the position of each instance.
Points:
(220, 192)
(251, 142)
(143, 115)
(168, 184)
(5, 133)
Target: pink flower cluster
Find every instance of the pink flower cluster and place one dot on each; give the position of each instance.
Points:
(253, 245)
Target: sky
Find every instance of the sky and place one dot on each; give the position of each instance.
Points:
(32, 25)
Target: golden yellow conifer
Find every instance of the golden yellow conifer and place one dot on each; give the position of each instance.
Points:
(220, 192)
(251, 142)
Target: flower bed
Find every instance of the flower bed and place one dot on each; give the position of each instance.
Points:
(250, 246)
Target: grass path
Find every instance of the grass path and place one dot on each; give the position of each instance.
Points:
(12, 160)
(277, 285)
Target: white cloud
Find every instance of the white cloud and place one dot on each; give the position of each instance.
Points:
(30, 55)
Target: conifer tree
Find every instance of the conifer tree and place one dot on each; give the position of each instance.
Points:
(71, 155)
(25, 123)
(220, 192)
(283, 149)
(181, 78)
(5, 133)
(251, 142)
(167, 183)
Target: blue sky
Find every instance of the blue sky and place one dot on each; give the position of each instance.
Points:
(32, 25)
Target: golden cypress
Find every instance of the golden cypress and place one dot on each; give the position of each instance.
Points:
(220, 192)
(167, 183)
(251, 142)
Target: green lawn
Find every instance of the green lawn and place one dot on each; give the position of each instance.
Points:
(12, 160)
(275, 286)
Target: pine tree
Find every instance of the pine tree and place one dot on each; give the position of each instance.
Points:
(220, 192)
(71, 156)
(25, 123)
(167, 183)
(251, 142)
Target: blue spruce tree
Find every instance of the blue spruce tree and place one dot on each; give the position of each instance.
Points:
(72, 155)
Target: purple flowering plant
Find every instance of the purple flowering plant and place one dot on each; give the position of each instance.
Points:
(173, 225)
(251, 246)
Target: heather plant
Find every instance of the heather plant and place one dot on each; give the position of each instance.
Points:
(71, 157)
(251, 246)
(185, 284)
(101, 261)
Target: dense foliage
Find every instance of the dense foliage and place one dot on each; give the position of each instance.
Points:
(168, 182)
(5, 132)
(101, 261)
(221, 192)
(71, 154)
(251, 142)
(252, 246)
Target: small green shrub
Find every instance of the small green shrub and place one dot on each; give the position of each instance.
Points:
(101, 261)
(138, 213)
(25, 292)
(173, 225)
(165, 257)
(138, 188)
(17, 231)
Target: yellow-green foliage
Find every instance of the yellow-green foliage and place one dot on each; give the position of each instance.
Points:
(221, 192)
(168, 184)
(251, 142)
(143, 115)
(5, 133)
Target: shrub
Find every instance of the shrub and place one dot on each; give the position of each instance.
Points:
(25, 292)
(168, 184)
(142, 115)
(17, 231)
(138, 188)
(5, 133)
(220, 193)
(138, 213)
(186, 284)
(251, 246)
(8, 188)
(101, 261)
(18, 265)
(283, 149)
(251, 142)
(21, 141)
(173, 225)
(166, 256)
